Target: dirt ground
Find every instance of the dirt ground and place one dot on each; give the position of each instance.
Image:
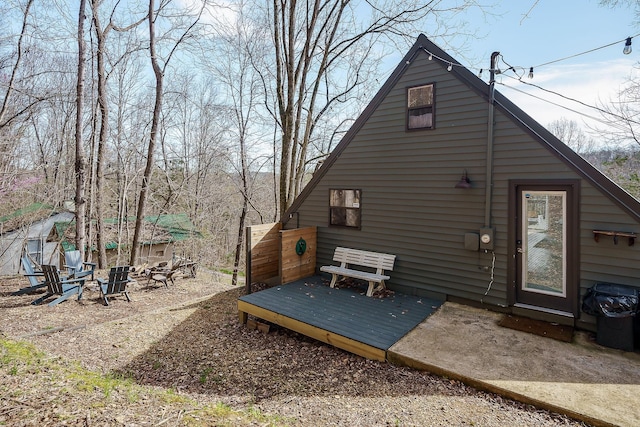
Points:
(187, 338)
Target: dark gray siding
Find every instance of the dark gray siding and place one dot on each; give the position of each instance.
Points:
(410, 206)
(518, 156)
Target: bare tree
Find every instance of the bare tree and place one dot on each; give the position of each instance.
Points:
(130, 127)
(322, 50)
(46, 136)
(158, 71)
(238, 42)
(36, 78)
(16, 65)
(202, 136)
(101, 38)
(621, 116)
(569, 132)
(80, 163)
(10, 130)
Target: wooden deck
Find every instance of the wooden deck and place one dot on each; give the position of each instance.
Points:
(342, 317)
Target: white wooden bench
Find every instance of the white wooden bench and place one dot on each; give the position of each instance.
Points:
(348, 257)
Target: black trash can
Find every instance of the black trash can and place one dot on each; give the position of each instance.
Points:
(615, 307)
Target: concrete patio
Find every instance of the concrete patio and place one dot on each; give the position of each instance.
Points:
(582, 379)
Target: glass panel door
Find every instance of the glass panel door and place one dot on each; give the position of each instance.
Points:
(544, 242)
(547, 247)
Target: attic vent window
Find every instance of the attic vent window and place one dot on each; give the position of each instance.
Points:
(420, 107)
(344, 208)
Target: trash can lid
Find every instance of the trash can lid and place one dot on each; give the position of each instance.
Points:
(611, 300)
(615, 289)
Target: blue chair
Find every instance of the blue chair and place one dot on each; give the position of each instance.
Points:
(115, 284)
(63, 288)
(33, 277)
(75, 267)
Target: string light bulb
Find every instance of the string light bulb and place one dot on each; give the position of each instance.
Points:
(430, 56)
(531, 72)
(480, 73)
(627, 46)
(450, 67)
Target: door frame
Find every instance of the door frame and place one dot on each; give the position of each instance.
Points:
(572, 186)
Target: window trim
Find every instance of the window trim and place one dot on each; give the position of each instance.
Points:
(432, 106)
(358, 209)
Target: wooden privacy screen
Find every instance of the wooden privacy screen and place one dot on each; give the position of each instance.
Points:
(271, 253)
(263, 252)
(292, 265)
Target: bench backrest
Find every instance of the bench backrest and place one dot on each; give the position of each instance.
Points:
(364, 258)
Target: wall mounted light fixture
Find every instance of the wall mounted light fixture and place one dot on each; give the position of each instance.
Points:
(464, 181)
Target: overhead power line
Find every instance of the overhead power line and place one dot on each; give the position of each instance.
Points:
(520, 71)
(598, 119)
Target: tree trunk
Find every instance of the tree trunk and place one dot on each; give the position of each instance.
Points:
(245, 199)
(80, 164)
(146, 179)
(102, 137)
(236, 261)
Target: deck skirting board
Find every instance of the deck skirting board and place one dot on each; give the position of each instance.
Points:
(336, 340)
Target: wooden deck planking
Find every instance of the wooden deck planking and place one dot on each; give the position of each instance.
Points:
(343, 317)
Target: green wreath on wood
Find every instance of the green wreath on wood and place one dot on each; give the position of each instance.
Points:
(301, 246)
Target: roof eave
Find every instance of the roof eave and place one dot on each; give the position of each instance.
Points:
(589, 172)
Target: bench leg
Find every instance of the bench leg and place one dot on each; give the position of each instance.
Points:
(373, 288)
(334, 279)
(370, 290)
(382, 285)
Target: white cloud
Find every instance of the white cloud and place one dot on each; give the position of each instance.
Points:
(593, 84)
(221, 12)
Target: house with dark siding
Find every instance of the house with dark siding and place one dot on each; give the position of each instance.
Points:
(480, 203)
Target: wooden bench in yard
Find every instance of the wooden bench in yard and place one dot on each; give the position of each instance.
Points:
(354, 257)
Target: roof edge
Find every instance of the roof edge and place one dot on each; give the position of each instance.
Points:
(610, 188)
(558, 148)
(355, 128)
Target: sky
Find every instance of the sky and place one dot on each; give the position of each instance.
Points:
(534, 32)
